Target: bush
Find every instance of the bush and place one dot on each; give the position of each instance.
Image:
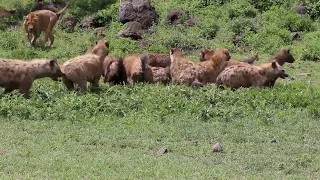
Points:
(268, 38)
(240, 9)
(314, 9)
(288, 20)
(311, 47)
(106, 16)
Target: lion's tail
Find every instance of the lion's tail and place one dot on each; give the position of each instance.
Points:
(62, 10)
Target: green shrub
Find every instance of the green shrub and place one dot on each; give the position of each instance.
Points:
(287, 19)
(310, 49)
(268, 38)
(314, 9)
(106, 16)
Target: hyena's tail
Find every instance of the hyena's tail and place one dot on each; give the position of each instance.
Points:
(144, 66)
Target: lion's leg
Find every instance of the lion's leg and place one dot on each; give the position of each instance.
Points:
(34, 38)
(51, 39)
(28, 37)
(49, 31)
(46, 37)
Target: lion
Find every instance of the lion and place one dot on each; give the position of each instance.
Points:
(41, 21)
(184, 71)
(85, 68)
(19, 74)
(237, 76)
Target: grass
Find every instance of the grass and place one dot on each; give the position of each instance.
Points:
(114, 132)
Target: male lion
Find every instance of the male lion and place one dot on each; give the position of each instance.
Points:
(41, 20)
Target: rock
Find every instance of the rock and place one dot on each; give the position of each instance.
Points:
(296, 36)
(133, 30)
(217, 147)
(191, 21)
(87, 22)
(291, 66)
(138, 10)
(300, 9)
(129, 34)
(191, 143)
(11, 25)
(163, 150)
(68, 23)
(273, 141)
(174, 15)
(303, 74)
(133, 26)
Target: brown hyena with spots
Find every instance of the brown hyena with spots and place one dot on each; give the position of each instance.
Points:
(154, 74)
(281, 58)
(206, 54)
(114, 70)
(86, 68)
(159, 60)
(246, 76)
(184, 71)
(133, 68)
(18, 74)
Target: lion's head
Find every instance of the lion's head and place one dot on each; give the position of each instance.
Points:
(30, 21)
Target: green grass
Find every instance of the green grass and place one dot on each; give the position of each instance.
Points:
(114, 132)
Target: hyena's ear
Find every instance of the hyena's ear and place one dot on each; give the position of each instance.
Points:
(107, 43)
(202, 53)
(53, 62)
(284, 50)
(171, 51)
(274, 64)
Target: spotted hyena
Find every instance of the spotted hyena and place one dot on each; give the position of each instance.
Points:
(246, 76)
(19, 74)
(85, 68)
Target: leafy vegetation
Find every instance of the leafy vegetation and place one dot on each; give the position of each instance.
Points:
(114, 132)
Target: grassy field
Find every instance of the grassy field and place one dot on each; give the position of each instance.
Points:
(115, 132)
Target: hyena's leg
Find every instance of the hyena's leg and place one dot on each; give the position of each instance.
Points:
(82, 85)
(68, 83)
(95, 82)
(197, 84)
(8, 90)
(24, 88)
